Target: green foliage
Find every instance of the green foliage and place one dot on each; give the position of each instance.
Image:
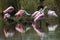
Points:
(57, 2)
(50, 4)
(29, 5)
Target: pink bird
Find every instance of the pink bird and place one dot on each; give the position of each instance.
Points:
(38, 29)
(36, 13)
(38, 17)
(8, 10)
(19, 28)
(6, 16)
(19, 13)
(8, 32)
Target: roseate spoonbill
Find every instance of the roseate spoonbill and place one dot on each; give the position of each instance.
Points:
(20, 13)
(40, 10)
(38, 29)
(39, 15)
(6, 16)
(8, 32)
(52, 27)
(9, 9)
(52, 13)
(19, 28)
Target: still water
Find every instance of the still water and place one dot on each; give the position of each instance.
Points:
(32, 35)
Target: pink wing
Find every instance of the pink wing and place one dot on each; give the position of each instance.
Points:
(19, 28)
(19, 13)
(8, 10)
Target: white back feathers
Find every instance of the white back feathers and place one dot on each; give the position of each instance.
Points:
(52, 13)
